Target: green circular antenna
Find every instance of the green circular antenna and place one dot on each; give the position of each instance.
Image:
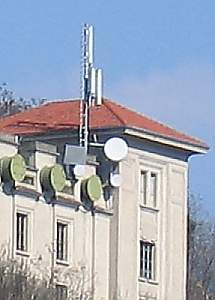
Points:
(13, 168)
(57, 177)
(53, 178)
(92, 187)
(17, 167)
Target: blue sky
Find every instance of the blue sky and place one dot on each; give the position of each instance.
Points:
(158, 58)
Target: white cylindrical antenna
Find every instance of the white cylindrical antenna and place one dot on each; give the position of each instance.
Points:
(86, 51)
(93, 83)
(99, 86)
(91, 44)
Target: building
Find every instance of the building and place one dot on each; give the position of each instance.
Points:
(133, 245)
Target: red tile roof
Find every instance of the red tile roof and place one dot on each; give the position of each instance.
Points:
(63, 115)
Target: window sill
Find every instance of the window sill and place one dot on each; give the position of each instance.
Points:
(150, 281)
(22, 253)
(149, 208)
(62, 262)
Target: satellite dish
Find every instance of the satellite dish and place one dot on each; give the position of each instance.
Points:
(116, 149)
(13, 168)
(53, 178)
(115, 180)
(92, 188)
(79, 170)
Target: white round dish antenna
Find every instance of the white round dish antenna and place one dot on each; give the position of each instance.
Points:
(115, 180)
(79, 170)
(116, 149)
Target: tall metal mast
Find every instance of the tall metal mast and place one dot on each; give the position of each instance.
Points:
(87, 59)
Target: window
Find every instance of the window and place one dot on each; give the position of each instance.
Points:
(61, 292)
(147, 260)
(62, 233)
(148, 188)
(22, 232)
(143, 185)
(153, 189)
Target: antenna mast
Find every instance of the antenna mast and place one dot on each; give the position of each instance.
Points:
(87, 58)
(91, 83)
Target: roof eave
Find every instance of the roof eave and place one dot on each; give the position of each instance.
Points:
(151, 136)
(133, 131)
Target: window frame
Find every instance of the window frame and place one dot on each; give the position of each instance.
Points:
(147, 267)
(22, 231)
(28, 231)
(147, 199)
(60, 290)
(143, 187)
(64, 256)
(153, 189)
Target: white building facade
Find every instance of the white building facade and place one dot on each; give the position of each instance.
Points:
(133, 245)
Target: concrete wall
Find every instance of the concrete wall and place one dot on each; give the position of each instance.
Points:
(88, 234)
(165, 225)
(106, 243)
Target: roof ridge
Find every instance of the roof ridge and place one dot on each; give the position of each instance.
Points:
(106, 102)
(58, 101)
